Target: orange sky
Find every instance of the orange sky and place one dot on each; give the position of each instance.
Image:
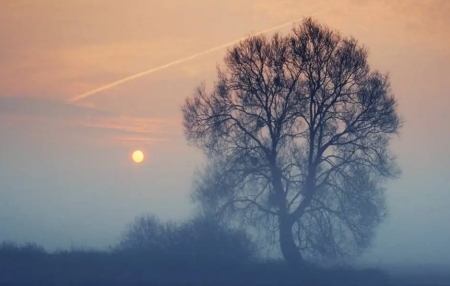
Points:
(53, 50)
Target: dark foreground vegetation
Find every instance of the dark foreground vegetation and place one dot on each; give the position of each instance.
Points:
(196, 252)
(199, 251)
(31, 265)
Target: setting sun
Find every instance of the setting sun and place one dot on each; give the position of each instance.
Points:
(138, 156)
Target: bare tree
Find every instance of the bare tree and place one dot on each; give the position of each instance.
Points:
(199, 240)
(148, 233)
(296, 131)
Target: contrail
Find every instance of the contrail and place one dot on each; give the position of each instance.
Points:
(135, 76)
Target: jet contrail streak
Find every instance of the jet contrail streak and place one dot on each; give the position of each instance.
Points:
(135, 76)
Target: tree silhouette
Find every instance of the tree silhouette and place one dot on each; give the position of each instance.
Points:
(296, 132)
(201, 239)
(148, 233)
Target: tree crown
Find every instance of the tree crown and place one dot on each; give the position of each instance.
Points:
(298, 127)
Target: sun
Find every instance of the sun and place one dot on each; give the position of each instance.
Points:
(138, 156)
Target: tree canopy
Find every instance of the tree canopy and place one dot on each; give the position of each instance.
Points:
(296, 131)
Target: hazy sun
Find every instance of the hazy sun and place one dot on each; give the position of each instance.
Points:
(138, 156)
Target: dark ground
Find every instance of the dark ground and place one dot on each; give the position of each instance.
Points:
(31, 265)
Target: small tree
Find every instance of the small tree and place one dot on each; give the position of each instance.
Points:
(199, 240)
(296, 132)
(148, 233)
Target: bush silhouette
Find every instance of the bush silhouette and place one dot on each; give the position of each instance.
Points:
(196, 242)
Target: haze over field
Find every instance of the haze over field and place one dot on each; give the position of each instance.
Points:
(66, 175)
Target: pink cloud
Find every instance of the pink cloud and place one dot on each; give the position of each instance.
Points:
(56, 121)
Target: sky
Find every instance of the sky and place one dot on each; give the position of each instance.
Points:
(66, 177)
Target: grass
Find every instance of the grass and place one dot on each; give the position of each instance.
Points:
(31, 264)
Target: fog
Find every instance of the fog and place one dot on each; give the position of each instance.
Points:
(66, 177)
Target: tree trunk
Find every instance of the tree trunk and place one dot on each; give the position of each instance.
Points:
(289, 250)
(287, 244)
